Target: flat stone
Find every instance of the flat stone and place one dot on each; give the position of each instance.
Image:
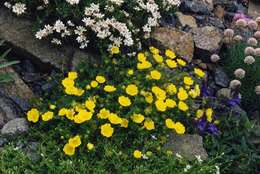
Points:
(208, 40)
(178, 41)
(186, 20)
(18, 32)
(221, 78)
(187, 145)
(17, 125)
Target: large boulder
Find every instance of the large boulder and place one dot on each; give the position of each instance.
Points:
(208, 40)
(176, 40)
(18, 33)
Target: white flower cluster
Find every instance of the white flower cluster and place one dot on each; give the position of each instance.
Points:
(102, 20)
(17, 8)
(73, 2)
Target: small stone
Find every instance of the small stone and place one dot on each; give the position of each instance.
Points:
(187, 145)
(178, 41)
(17, 125)
(195, 6)
(219, 12)
(186, 20)
(221, 78)
(8, 110)
(224, 93)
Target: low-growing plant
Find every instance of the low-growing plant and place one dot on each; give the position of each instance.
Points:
(113, 22)
(242, 61)
(133, 101)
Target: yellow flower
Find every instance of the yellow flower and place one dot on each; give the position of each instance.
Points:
(107, 130)
(114, 50)
(179, 128)
(149, 124)
(171, 89)
(124, 101)
(169, 123)
(137, 118)
(137, 154)
(75, 141)
(209, 114)
(88, 87)
(170, 54)
(154, 50)
(199, 72)
(199, 113)
(67, 82)
(182, 94)
(130, 72)
(181, 62)
(148, 97)
(159, 93)
(132, 90)
(70, 114)
(144, 65)
(188, 81)
(100, 79)
(156, 75)
(82, 116)
(193, 93)
(52, 107)
(149, 153)
(114, 118)
(158, 58)
(170, 103)
(63, 112)
(124, 123)
(68, 150)
(171, 63)
(103, 113)
(183, 106)
(90, 146)
(47, 116)
(141, 57)
(93, 83)
(109, 88)
(72, 75)
(33, 115)
(160, 105)
(90, 105)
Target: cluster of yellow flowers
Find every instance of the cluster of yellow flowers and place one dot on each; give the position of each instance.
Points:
(147, 87)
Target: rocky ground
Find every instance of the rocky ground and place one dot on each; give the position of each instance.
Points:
(196, 32)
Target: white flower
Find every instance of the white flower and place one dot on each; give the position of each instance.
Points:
(117, 2)
(73, 2)
(19, 8)
(187, 168)
(56, 41)
(59, 26)
(198, 157)
(217, 169)
(7, 5)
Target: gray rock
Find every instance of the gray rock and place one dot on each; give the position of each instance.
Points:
(188, 146)
(17, 125)
(238, 111)
(221, 78)
(208, 40)
(176, 40)
(196, 6)
(8, 110)
(18, 32)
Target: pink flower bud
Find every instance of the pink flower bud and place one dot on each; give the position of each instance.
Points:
(240, 73)
(257, 35)
(234, 84)
(241, 23)
(229, 33)
(257, 51)
(238, 38)
(214, 58)
(252, 41)
(249, 60)
(252, 25)
(257, 90)
(249, 51)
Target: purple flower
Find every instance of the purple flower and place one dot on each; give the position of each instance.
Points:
(212, 128)
(234, 101)
(240, 15)
(201, 124)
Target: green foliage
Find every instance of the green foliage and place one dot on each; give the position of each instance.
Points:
(5, 77)
(233, 59)
(48, 159)
(240, 155)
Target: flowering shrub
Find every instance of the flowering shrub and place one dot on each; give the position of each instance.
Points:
(113, 22)
(126, 97)
(243, 60)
